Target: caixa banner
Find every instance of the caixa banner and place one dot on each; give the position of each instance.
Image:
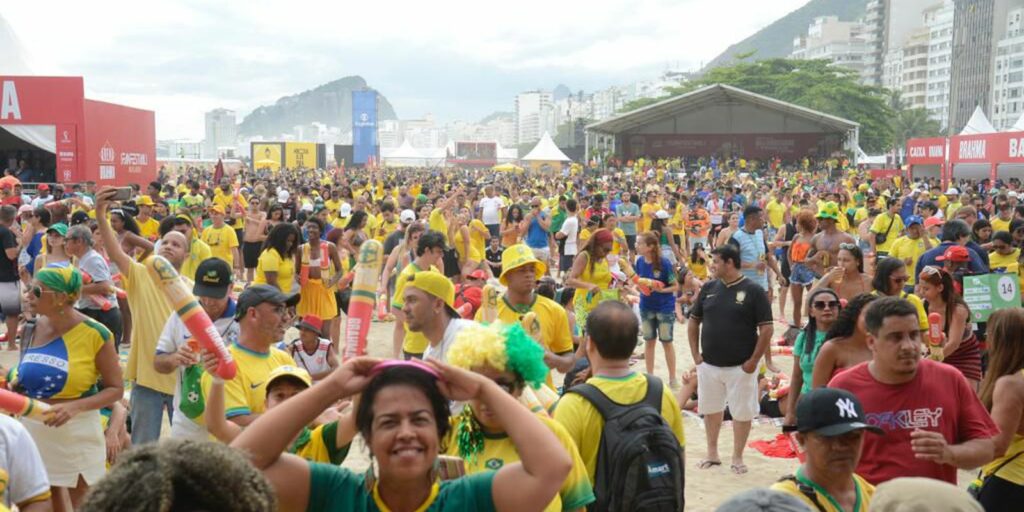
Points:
(931, 151)
(364, 127)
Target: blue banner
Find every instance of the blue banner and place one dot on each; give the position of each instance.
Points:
(364, 128)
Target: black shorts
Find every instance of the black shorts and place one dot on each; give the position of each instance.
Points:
(565, 262)
(678, 239)
(251, 253)
(342, 298)
(451, 263)
(998, 494)
(631, 242)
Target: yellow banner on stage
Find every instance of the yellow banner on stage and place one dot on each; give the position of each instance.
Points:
(266, 155)
(300, 154)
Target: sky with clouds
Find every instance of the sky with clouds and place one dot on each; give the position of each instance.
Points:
(456, 59)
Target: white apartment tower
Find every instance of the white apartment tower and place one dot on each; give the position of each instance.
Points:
(534, 115)
(938, 19)
(221, 131)
(1008, 79)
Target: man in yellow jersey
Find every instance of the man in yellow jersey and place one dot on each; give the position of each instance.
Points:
(149, 228)
(830, 427)
(886, 229)
(234, 205)
(222, 239)
(911, 246)
(520, 271)
(429, 252)
(260, 312)
(152, 392)
(198, 250)
(612, 330)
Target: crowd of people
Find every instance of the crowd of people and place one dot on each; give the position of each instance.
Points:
(495, 283)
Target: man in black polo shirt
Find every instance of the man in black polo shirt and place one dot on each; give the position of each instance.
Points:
(737, 319)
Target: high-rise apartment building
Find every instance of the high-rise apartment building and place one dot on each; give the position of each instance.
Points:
(534, 115)
(978, 26)
(221, 132)
(938, 19)
(887, 24)
(1008, 78)
(840, 42)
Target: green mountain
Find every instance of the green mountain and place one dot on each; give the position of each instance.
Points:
(776, 40)
(330, 104)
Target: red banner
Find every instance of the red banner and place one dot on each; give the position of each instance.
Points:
(750, 145)
(120, 144)
(885, 173)
(930, 151)
(40, 100)
(987, 148)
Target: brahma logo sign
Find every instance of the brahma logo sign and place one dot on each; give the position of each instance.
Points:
(1016, 147)
(10, 108)
(972, 149)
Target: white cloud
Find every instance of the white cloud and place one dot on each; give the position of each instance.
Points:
(183, 57)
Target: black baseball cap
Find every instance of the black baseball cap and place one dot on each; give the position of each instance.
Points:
(213, 279)
(258, 294)
(831, 412)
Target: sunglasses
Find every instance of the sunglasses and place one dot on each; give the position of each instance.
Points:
(847, 246)
(822, 305)
(38, 291)
(930, 270)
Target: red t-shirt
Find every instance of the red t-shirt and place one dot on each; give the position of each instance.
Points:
(938, 399)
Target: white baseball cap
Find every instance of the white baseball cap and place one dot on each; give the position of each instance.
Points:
(282, 196)
(345, 211)
(661, 214)
(407, 216)
(952, 191)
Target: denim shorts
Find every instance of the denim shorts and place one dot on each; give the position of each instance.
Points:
(801, 274)
(657, 324)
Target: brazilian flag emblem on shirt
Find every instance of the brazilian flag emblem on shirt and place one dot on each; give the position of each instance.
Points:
(494, 464)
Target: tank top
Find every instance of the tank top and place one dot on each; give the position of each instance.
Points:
(322, 260)
(313, 363)
(600, 275)
(798, 251)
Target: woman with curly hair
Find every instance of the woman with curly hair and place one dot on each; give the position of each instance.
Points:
(276, 265)
(182, 474)
(506, 355)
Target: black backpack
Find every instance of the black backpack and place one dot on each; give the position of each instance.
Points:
(639, 460)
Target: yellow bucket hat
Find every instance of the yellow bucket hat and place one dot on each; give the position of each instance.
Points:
(829, 210)
(517, 256)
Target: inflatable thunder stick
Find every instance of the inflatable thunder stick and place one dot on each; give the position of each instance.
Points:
(191, 313)
(489, 304)
(364, 292)
(935, 336)
(21, 405)
(530, 324)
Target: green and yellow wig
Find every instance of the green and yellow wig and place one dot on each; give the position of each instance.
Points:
(504, 347)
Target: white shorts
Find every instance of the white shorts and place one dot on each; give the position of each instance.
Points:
(730, 385)
(543, 254)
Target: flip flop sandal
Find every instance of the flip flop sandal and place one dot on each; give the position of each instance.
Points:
(708, 464)
(738, 469)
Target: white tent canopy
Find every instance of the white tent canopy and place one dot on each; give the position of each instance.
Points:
(865, 159)
(1018, 126)
(546, 151)
(404, 155)
(978, 123)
